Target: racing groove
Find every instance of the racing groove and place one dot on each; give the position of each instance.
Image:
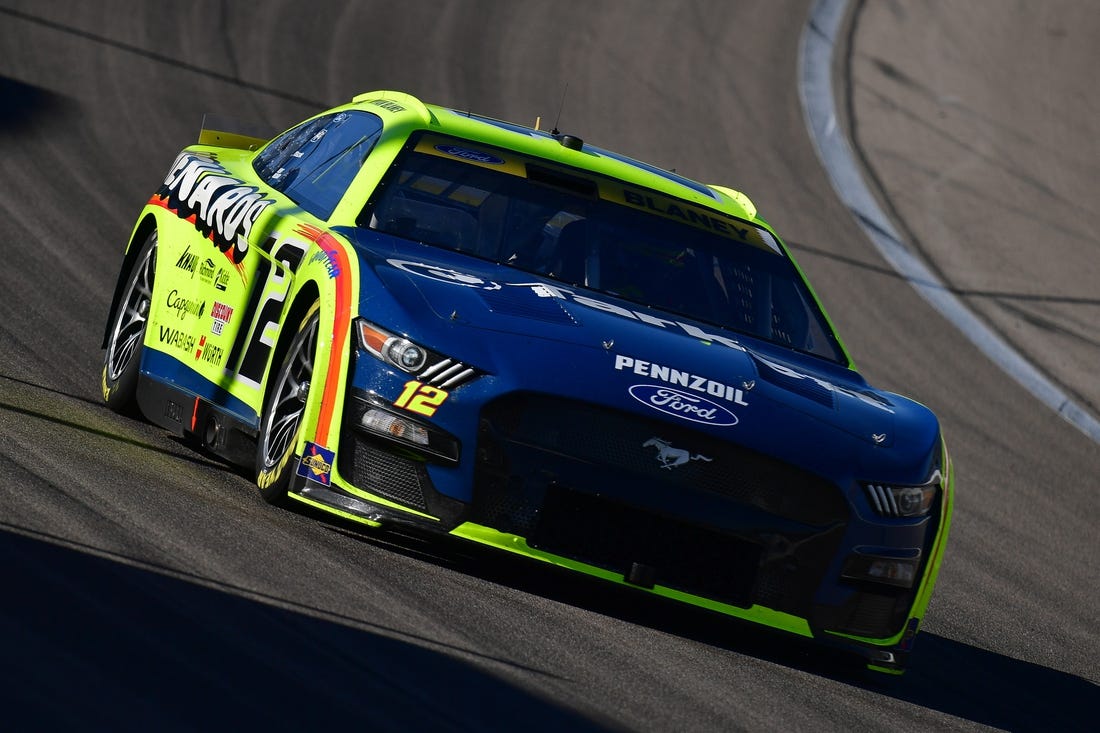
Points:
(145, 584)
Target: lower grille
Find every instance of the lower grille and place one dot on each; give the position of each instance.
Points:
(696, 513)
(504, 504)
(640, 448)
(615, 536)
(383, 473)
(873, 615)
(866, 613)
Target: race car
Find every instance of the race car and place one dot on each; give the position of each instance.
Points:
(409, 315)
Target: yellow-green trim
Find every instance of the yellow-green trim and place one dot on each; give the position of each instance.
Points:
(739, 197)
(364, 495)
(886, 670)
(928, 583)
(220, 139)
(334, 510)
(514, 543)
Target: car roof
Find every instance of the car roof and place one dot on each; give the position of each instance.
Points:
(403, 110)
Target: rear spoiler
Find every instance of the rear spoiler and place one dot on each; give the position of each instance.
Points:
(226, 132)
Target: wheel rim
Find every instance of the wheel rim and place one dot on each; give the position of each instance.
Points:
(133, 311)
(285, 413)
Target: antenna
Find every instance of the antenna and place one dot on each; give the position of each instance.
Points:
(561, 106)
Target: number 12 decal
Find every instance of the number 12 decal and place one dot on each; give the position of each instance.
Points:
(420, 398)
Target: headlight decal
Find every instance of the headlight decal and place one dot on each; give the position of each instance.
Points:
(430, 367)
(904, 501)
(447, 373)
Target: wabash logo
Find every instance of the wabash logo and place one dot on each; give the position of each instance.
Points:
(221, 313)
(221, 207)
(176, 338)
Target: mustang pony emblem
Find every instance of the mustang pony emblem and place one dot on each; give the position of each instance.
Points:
(670, 457)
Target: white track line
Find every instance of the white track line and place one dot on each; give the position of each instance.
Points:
(815, 61)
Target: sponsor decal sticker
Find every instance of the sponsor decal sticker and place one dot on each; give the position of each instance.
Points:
(222, 208)
(206, 270)
(329, 257)
(209, 353)
(188, 261)
(546, 290)
(388, 105)
(176, 338)
(670, 457)
(836, 388)
(443, 274)
(316, 464)
(185, 306)
(678, 378)
(698, 217)
(420, 398)
(221, 313)
(682, 405)
(476, 156)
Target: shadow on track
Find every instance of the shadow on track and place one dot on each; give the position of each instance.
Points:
(996, 690)
(945, 675)
(132, 645)
(24, 107)
(96, 643)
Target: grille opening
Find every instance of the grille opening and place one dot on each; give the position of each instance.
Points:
(616, 537)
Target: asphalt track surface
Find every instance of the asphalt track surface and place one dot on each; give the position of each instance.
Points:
(144, 586)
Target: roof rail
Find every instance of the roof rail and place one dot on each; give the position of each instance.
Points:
(739, 198)
(404, 100)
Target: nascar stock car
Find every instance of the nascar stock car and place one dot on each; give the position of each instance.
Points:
(408, 315)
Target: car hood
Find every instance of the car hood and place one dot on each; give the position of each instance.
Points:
(600, 348)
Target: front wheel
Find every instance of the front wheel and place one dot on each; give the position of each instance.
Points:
(124, 345)
(282, 416)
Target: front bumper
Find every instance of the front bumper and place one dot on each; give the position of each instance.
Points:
(585, 488)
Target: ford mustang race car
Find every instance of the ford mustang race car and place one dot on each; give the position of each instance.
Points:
(404, 314)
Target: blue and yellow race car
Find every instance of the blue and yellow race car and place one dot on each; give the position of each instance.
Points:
(409, 315)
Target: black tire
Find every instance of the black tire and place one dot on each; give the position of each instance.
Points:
(127, 335)
(282, 416)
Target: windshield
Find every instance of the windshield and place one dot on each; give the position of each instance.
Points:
(589, 231)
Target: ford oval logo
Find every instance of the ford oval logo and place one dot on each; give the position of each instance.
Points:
(682, 404)
(467, 154)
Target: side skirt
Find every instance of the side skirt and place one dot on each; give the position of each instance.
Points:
(191, 417)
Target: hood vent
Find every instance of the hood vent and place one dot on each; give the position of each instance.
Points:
(800, 385)
(522, 303)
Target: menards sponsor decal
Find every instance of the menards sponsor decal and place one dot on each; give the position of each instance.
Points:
(223, 209)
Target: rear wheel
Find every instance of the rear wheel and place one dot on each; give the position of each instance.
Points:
(282, 416)
(124, 343)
